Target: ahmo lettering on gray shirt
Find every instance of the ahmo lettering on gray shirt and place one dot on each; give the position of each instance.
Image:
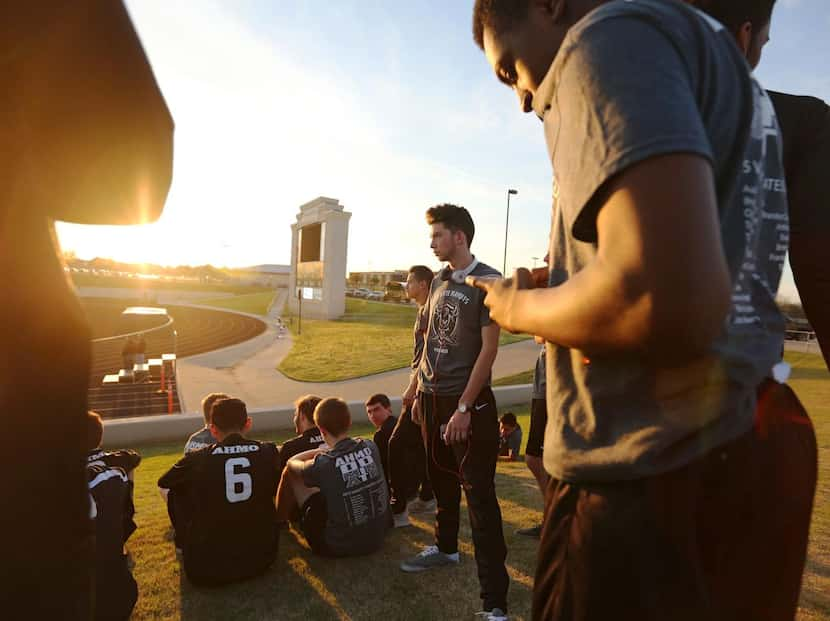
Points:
(456, 314)
(635, 80)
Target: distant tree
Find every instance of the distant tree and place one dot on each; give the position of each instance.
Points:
(354, 278)
(374, 280)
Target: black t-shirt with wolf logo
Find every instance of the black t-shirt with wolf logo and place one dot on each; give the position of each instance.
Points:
(456, 314)
(350, 477)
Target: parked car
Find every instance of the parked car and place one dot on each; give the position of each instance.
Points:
(375, 295)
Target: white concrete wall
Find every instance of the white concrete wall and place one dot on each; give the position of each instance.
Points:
(131, 432)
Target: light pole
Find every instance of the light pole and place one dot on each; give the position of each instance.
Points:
(506, 223)
(534, 261)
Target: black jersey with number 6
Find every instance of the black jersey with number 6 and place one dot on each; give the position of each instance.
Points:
(227, 490)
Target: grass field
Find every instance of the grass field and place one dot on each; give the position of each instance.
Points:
(371, 337)
(97, 280)
(255, 303)
(525, 377)
(300, 586)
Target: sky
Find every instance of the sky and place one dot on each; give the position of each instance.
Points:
(386, 105)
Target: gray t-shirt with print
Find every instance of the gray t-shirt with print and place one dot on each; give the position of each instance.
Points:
(350, 477)
(634, 80)
(456, 314)
(199, 440)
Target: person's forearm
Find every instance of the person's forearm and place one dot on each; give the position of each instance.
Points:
(297, 463)
(602, 310)
(481, 371)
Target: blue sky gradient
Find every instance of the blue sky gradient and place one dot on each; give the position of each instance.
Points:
(387, 105)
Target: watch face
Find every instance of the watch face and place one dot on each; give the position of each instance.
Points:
(462, 407)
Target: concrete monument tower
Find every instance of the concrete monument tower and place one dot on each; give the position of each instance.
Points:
(319, 243)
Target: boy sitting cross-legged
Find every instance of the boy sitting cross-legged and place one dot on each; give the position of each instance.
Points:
(340, 491)
(223, 501)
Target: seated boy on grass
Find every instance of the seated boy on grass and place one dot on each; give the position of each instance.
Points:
(221, 501)
(510, 438)
(109, 477)
(340, 491)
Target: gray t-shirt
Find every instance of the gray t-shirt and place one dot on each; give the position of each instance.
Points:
(539, 382)
(456, 314)
(635, 80)
(419, 331)
(351, 479)
(199, 440)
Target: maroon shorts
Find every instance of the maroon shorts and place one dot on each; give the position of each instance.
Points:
(723, 538)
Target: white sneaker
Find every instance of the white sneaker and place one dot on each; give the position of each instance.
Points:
(421, 506)
(401, 520)
(429, 558)
(497, 614)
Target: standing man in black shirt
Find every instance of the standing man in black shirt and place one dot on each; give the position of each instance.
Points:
(225, 517)
(407, 456)
(458, 409)
(109, 474)
(308, 436)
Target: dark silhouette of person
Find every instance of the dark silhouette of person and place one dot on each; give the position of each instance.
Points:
(87, 138)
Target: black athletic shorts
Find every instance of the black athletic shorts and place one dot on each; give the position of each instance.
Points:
(313, 518)
(538, 422)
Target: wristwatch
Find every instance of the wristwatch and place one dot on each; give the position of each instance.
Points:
(463, 407)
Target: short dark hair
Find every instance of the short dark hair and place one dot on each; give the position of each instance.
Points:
(332, 414)
(305, 406)
(735, 13)
(509, 418)
(422, 273)
(379, 398)
(229, 414)
(453, 217)
(208, 401)
(94, 430)
(497, 15)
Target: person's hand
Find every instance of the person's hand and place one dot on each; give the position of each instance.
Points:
(501, 295)
(458, 428)
(416, 413)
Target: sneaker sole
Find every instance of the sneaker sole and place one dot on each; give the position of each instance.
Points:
(415, 569)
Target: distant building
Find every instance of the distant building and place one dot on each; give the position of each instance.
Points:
(266, 275)
(376, 280)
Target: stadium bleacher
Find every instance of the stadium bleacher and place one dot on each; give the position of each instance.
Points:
(193, 331)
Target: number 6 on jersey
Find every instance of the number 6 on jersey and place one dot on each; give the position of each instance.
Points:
(238, 485)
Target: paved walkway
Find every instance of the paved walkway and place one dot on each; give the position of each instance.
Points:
(248, 371)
